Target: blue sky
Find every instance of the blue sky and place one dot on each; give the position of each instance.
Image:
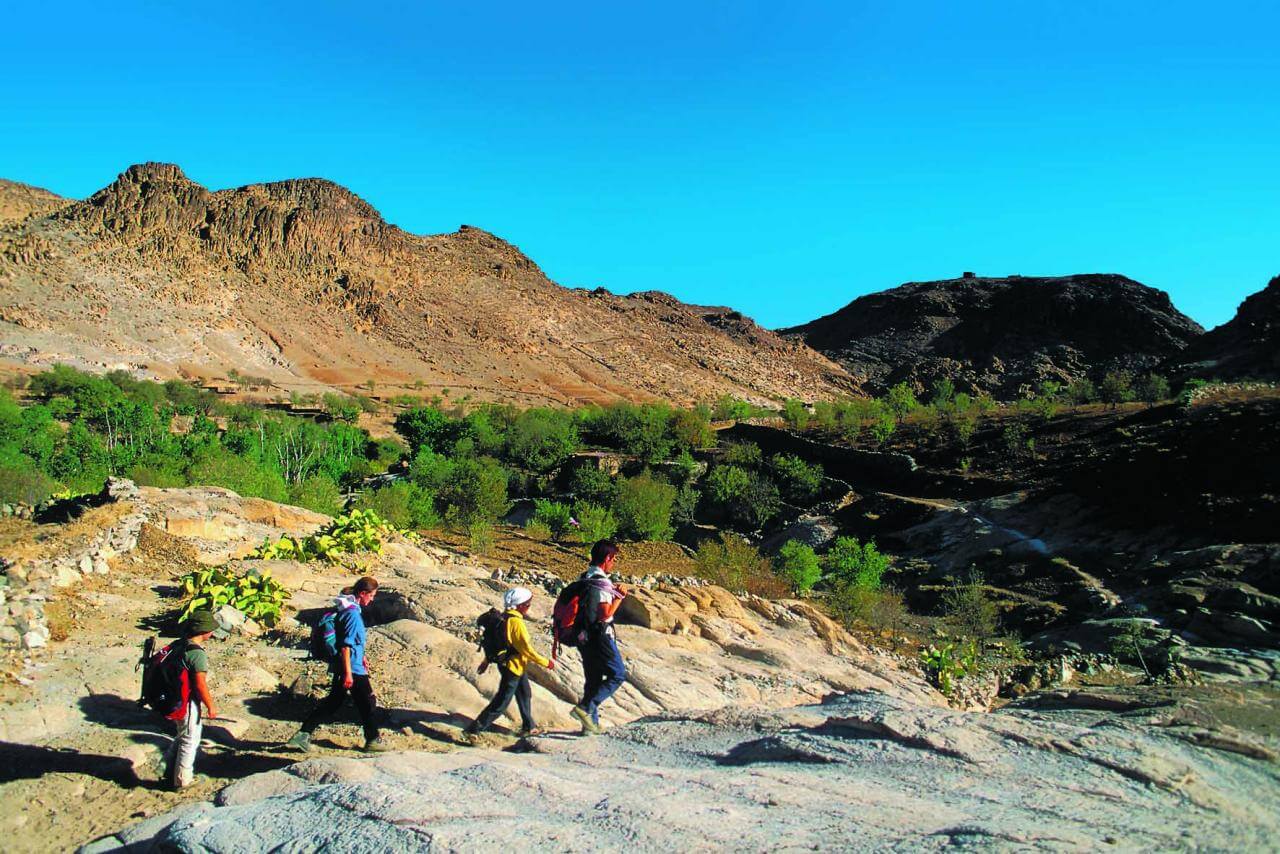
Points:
(779, 158)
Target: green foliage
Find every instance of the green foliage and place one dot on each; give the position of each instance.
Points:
(946, 665)
(1082, 391)
(797, 563)
(1116, 388)
(475, 491)
(1018, 442)
(745, 454)
(318, 493)
(537, 530)
(744, 497)
(798, 481)
(1151, 388)
(882, 427)
(901, 401)
(851, 563)
(220, 467)
(641, 431)
(684, 468)
(943, 392)
(553, 515)
(736, 565)
(643, 508)
(426, 427)
(691, 429)
(341, 408)
(795, 413)
(969, 610)
(357, 531)
(729, 408)
(595, 523)
(685, 509)
(404, 504)
(590, 483)
(480, 536)
(25, 484)
(259, 597)
(1130, 643)
(541, 439)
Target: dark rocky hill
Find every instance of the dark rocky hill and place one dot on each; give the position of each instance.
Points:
(1247, 346)
(1001, 335)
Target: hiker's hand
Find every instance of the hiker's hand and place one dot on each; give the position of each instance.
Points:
(551, 665)
(212, 713)
(622, 590)
(347, 681)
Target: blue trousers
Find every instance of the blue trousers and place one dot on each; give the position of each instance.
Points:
(603, 667)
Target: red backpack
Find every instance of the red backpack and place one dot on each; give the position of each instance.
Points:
(568, 615)
(166, 684)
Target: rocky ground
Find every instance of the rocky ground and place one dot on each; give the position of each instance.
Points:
(80, 756)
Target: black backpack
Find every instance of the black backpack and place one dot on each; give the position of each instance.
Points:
(165, 685)
(493, 636)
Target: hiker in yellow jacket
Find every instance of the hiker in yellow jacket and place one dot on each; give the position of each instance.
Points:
(512, 662)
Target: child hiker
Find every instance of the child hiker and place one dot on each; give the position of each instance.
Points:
(512, 662)
(189, 665)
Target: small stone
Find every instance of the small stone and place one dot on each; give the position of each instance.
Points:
(35, 639)
(100, 565)
(86, 565)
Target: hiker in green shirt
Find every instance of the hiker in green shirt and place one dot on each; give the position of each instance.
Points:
(190, 669)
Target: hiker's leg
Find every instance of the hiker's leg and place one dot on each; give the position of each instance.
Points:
(366, 705)
(186, 745)
(524, 699)
(500, 701)
(327, 707)
(613, 671)
(591, 673)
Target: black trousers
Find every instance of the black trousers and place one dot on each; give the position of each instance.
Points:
(510, 686)
(366, 704)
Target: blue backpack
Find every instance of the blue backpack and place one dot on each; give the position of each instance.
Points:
(324, 637)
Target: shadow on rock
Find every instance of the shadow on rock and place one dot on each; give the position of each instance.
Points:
(31, 762)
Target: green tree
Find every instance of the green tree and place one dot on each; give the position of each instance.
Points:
(1116, 388)
(901, 400)
(795, 413)
(426, 427)
(643, 508)
(474, 491)
(590, 483)
(969, 609)
(798, 481)
(1151, 388)
(541, 439)
(797, 563)
(554, 515)
(691, 429)
(852, 563)
(943, 392)
(319, 493)
(595, 523)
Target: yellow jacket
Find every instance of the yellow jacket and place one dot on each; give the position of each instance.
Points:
(522, 651)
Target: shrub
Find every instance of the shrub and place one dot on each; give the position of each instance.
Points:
(1116, 388)
(727, 483)
(947, 664)
(942, 392)
(480, 536)
(403, 504)
(475, 491)
(798, 481)
(541, 439)
(1017, 441)
(1151, 388)
(341, 408)
(553, 515)
(538, 530)
(259, 597)
(157, 476)
(901, 401)
(797, 563)
(745, 454)
(592, 484)
(746, 498)
(882, 427)
(425, 427)
(969, 610)
(595, 523)
(318, 493)
(684, 468)
(851, 563)
(736, 565)
(641, 431)
(795, 413)
(685, 509)
(643, 508)
(239, 474)
(729, 408)
(1082, 391)
(691, 429)
(25, 484)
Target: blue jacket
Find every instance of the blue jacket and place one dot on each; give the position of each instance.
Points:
(348, 626)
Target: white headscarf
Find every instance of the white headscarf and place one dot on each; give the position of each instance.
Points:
(515, 596)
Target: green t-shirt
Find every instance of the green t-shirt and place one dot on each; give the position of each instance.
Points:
(195, 659)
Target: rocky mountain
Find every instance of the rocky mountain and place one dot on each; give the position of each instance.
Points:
(303, 282)
(1247, 346)
(1001, 335)
(19, 201)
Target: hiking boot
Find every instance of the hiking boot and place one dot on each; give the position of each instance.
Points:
(589, 727)
(300, 742)
(376, 745)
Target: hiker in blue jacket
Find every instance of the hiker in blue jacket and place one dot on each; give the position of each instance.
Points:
(350, 675)
(602, 664)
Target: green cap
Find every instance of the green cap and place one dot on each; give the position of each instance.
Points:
(198, 623)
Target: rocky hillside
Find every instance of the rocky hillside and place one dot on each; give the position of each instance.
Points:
(1001, 335)
(302, 282)
(1247, 346)
(19, 201)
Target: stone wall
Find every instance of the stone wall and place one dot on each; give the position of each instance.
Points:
(28, 585)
